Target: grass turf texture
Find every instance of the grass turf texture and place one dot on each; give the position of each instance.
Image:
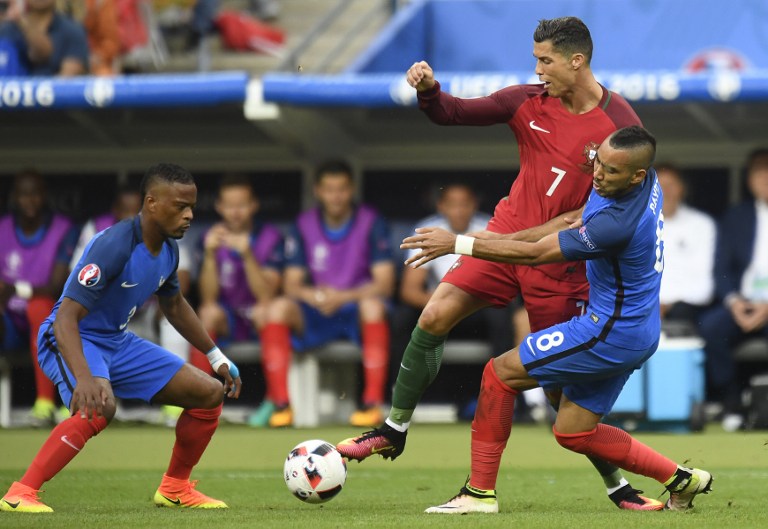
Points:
(541, 485)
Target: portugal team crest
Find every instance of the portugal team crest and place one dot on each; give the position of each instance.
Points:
(590, 151)
(89, 275)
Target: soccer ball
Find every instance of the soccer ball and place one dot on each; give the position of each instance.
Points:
(314, 471)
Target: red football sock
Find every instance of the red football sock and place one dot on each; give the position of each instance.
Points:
(39, 308)
(63, 444)
(194, 430)
(276, 360)
(618, 447)
(375, 361)
(490, 428)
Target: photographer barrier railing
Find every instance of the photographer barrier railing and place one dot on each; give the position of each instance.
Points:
(363, 90)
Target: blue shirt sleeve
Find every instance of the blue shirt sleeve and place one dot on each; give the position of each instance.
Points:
(171, 286)
(379, 240)
(67, 246)
(104, 260)
(602, 235)
(295, 254)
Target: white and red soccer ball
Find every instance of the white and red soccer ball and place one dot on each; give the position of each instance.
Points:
(314, 471)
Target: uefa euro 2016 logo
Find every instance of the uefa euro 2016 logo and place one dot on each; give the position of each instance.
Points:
(89, 275)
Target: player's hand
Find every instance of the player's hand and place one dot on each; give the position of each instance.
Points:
(232, 385)
(420, 76)
(215, 237)
(433, 243)
(88, 398)
(755, 317)
(328, 300)
(239, 242)
(574, 223)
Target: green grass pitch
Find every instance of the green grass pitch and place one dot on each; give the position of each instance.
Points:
(541, 485)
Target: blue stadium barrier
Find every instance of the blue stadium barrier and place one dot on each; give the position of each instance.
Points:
(152, 90)
(363, 90)
(390, 90)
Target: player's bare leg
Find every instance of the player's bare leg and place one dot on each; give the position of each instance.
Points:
(201, 396)
(421, 362)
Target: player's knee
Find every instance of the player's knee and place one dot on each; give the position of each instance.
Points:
(372, 309)
(575, 442)
(212, 395)
(279, 310)
(433, 320)
(109, 409)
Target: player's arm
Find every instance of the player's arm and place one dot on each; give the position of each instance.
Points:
(88, 397)
(382, 284)
(208, 280)
(445, 109)
(436, 242)
(183, 318)
(569, 219)
(263, 282)
(412, 287)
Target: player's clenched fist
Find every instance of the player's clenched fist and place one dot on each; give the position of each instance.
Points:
(420, 76)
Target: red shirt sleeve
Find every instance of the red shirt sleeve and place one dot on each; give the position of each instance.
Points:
(444, 109)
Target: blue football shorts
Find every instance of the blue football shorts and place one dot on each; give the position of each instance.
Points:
(590, 372)
(135, 367)
(320, 329)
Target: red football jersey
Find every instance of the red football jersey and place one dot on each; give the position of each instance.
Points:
(556, 147)
(557, 150)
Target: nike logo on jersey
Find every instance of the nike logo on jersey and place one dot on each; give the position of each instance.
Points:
(406, 368)
(126, 284)
(530, 346)
(534, 126)
(68, 442)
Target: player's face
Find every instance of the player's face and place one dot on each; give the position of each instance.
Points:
(673, 190)
(335, 193)
(614, 171)
(29, 196)
(554, 69)
(458, 206)
(758, 179)
(237, 206)
(170, 206)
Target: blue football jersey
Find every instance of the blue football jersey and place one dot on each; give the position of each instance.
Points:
(116, 275)
(621, 239)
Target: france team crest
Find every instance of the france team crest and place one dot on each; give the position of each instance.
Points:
(89, 275)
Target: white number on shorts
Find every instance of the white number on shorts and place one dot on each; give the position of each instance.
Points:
(560, 174)
(545, 342)
(130, 315)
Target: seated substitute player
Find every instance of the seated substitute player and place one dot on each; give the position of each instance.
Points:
(589, 358)
(240, 273)
(85, 350)
(339, 278)
(36, 247)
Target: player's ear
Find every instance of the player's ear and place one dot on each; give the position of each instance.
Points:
(638, 177)
(577, 60)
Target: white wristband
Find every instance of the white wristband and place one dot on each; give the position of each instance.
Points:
(464, 245)
(216, 358)
(23, 289)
